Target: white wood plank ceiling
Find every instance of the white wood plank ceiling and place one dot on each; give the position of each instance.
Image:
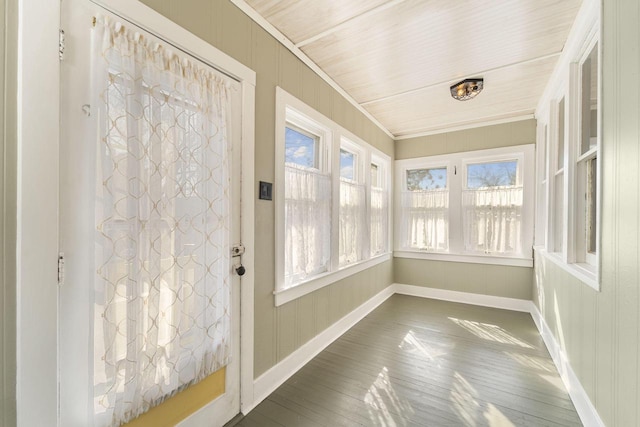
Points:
(398, 58)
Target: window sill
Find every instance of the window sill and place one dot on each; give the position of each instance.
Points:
(584, 272)
(317, 282)
(473, 259)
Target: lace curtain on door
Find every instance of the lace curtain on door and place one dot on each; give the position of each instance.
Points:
(162, 214)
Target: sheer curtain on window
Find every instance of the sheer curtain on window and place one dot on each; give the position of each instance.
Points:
(307, 239)
(379, 236)
(353, 225)
(491, 220)
(426, 220)
(161, 313)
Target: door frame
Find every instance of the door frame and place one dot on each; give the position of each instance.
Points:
(38, 191)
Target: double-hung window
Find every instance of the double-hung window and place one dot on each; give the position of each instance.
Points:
(586, 163)
(307, 198)
(471, 207)
(332, 196)
(573, 181)
(379, 212)
(353, 204)
(492, 201)
(425, 208)
(556, 238)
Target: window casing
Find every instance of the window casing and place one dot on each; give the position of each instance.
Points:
(471, 207)
(558, 181)
(425, 208)
(574, 189)
(379, 207)
(353, 205)
(586, 163)
(332, 201)
(307, 198)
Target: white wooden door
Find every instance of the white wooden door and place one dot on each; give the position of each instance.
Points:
(78, 180)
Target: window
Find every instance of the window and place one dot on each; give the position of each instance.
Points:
(492, 207)
(332, 201)
(574, 190)
(425, 207)
(307, 199)
(379, 215)
(557, 205)
(542, 178)
(472, 207)
(353, 208)
(586, 168)
(301, 147)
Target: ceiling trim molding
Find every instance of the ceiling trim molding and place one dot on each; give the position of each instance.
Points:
(286, 42)
(449, 81)
(470, 125)
(337, 27)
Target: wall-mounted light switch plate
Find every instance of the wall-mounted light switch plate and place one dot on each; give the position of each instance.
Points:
(266, 190)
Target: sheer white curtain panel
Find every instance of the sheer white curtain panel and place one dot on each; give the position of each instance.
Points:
(161, 313)
(492, 220)
(379, 236)
(307, 223)
(426, 220)
(353, 225)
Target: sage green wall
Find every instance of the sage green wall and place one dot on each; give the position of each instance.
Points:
(600, 331)
(279, 331)
(495, 280)
(8, 120)
(495, 136)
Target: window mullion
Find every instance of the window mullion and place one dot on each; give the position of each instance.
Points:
(334, 169)
(456, 232)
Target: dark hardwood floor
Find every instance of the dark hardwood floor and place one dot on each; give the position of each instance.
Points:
(422, 362)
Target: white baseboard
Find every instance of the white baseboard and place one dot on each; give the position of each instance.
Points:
(587, 412)
(266, 384)
(463, 297)
(277, 375)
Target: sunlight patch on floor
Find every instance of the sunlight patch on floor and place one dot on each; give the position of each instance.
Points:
(462, 397)
(381, 398)
(532, 362)
(413, 345)
(496, 418)
(556, 381)
(489, 332)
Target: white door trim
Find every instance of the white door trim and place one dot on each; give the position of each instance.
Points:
(37, 212)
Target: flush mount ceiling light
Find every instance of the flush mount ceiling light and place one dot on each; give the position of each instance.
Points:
(467, 89)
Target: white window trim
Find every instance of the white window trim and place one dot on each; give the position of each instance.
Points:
(384, 168)
(288, 106)
(455, 164)
(590, 274)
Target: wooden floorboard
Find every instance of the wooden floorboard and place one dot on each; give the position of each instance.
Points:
(422, 362)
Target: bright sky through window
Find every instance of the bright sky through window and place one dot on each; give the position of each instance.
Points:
(347, 162)
(300, 148)
(494, 174)
(426, 179)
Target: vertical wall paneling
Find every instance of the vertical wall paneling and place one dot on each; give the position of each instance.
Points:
(4, 313)
(600, 331)
(8, 188)
(279, 331)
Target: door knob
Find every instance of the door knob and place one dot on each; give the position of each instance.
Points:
(240, 270)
